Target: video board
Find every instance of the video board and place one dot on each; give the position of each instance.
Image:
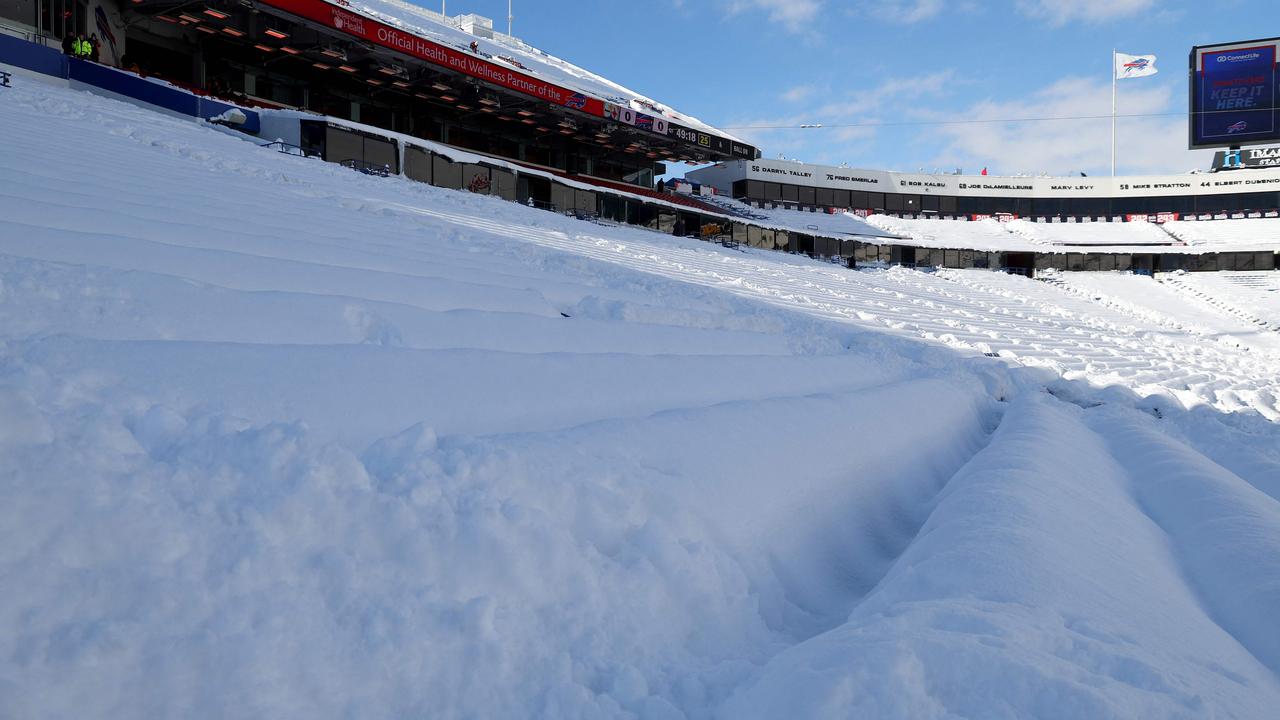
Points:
(1234, 93)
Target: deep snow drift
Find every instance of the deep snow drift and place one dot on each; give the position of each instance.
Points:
(278, 439)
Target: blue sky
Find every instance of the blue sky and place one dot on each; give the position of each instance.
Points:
(743, 63)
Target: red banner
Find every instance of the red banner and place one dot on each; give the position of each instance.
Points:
(446, 57)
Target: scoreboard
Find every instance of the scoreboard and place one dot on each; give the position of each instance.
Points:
(1234, 92)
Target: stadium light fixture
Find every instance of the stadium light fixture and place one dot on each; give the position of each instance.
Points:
(216, 14)
(448, 98)
(264, 48)
(524, 113)
(189, 18)
(528, 121)
(373, 81)
(334, 53)
(276, 34)
(441, 87)
(206, 29)
(464, 107)
(348, 69)
(166, 18)
(233, 32)
(321, 66)
(400, 84)
(289, 50)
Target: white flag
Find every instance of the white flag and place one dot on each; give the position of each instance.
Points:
(1135, 66)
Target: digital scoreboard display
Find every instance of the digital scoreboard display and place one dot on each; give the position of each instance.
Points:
(1234, 91)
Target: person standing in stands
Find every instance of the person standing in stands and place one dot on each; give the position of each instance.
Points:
(68, 44)
(95, 47)
(81, 46)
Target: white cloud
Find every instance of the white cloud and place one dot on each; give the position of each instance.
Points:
(798, 93)
(1147, 144)
(797, 16)
(1060, 12)
(906, 11)
(782, 133)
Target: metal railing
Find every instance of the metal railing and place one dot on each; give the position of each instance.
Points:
(725, 241)
(288, 149)
(541, 204)
(367, 168)
(585, 215)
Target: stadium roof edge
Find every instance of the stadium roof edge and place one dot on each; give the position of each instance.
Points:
(521, 67)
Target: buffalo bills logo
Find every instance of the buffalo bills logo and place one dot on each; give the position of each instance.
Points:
(1139, 64)
(1238, 127)
(577, 101)
(644, 121)
(104, 28)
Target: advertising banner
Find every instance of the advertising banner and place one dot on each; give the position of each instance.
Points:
(1250, 158)
(466, 63)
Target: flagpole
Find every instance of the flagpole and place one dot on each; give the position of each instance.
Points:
(1113, 112)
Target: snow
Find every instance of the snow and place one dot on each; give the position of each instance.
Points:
(1092, 233)
(986, 235)
(1250, 297)
(1255, 231)
(836, 225)
(990, 235)
(280, 439)
(1168, 300)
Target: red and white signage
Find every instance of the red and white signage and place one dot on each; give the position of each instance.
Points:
(466, 63)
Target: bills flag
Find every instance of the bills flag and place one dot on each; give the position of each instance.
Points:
(1134, 66)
